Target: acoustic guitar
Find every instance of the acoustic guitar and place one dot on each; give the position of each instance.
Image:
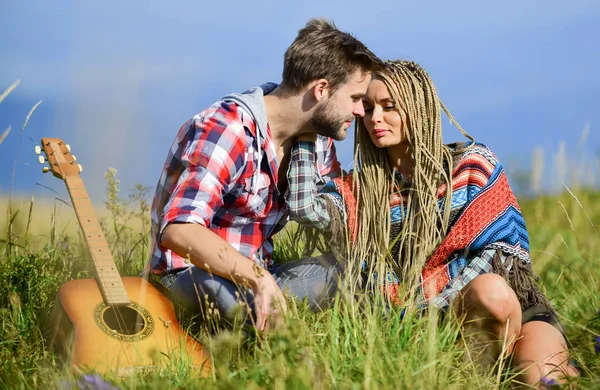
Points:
(111, 323)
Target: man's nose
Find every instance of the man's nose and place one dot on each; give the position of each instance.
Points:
(359, 109)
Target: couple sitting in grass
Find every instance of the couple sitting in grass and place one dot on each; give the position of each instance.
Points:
(418, 224)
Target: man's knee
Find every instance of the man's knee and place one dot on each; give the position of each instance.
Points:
(315, 279)
(223, 295)
(200, 292)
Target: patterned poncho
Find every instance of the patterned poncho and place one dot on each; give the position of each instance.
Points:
(486, 233)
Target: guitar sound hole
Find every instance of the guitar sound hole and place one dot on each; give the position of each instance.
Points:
(124, 320)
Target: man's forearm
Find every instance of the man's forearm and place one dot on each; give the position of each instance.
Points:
(206, 250)
(304, 205)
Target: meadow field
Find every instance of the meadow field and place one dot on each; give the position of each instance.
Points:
(342, 347)
(348, 346)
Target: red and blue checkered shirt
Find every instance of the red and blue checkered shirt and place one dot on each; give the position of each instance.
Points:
(210, 177)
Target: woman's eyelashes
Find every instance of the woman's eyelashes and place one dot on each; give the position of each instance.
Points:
(387, 107)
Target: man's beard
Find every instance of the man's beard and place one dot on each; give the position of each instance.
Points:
(328, 125)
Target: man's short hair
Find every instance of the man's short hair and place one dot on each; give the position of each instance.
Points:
(321, 51)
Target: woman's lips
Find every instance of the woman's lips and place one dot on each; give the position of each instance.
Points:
(379, 132)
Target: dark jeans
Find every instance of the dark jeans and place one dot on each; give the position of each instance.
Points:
(200, 292)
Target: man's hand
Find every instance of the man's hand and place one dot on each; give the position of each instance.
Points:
(269, 303)
(198, 243)
(307, 137)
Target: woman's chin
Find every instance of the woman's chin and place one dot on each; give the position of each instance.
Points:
(380, 143)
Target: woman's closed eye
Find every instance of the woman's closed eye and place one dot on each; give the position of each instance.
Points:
(387, 107)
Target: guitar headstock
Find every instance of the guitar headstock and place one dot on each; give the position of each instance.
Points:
(62, 162)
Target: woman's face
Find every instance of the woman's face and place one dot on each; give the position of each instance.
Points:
(382, 118)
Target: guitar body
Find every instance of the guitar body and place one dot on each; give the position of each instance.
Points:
(142, 335)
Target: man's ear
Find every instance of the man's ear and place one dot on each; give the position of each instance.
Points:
(321, 89)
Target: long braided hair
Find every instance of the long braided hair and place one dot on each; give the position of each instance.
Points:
(424, 223)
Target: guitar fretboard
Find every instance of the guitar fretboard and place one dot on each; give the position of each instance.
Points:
(108, 278)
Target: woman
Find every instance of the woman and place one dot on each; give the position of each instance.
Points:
(440, 221)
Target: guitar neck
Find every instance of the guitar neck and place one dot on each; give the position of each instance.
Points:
(108, 278)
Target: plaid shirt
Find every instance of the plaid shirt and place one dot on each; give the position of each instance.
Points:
(305, 207)
(210, 177)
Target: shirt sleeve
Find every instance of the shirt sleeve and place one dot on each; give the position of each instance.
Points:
(305, 206)
(327, 163)
(212, 155)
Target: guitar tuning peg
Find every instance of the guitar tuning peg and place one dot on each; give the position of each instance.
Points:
(68, 147)
(74, 158)
(80, 167)
(45, 170)
(37, 149)
(41, 159)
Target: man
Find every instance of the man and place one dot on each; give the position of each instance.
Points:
(221, 195)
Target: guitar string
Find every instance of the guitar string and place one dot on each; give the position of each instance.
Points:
(120, 320)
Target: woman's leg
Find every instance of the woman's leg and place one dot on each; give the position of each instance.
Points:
(491, 316)
(541, 352)
(492, 323)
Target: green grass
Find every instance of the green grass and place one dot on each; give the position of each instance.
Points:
(343, 347)
(348, 346)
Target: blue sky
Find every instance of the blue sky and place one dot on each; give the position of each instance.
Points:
(117, 78)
